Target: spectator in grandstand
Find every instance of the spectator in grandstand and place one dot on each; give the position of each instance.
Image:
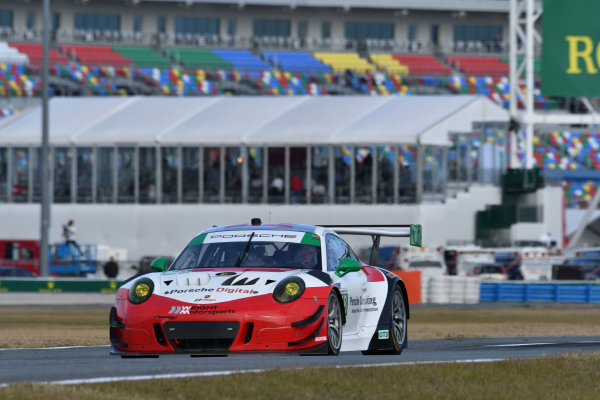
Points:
(498, 43)
(297, 187)
(276, 189)
(378, 77)
(319, 191)
(386, 183)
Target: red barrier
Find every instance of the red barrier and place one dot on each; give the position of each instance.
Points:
(412, 281)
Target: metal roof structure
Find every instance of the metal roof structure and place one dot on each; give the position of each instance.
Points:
(457, 5)
(252, 121)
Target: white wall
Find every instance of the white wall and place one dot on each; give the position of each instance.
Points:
(166, 229)
(551, 199)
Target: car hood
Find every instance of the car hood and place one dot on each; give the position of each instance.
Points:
(220, 285)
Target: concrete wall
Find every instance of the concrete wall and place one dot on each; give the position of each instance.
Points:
(551, 199)
(166, 229)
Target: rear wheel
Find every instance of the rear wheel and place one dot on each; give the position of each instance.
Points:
(398, 317)
(334, 324)
(398, 322)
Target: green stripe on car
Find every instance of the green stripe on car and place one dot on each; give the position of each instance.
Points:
(312, 239)
(198, 239)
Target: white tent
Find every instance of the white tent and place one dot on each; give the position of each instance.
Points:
(257, 121)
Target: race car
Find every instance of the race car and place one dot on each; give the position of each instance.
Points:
(257, 287)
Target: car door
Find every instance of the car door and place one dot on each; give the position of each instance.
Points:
(352, 285)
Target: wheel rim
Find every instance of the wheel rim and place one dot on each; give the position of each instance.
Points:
(334, 322)
(398, 318)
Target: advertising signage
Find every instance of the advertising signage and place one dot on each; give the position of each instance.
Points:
(571, 48)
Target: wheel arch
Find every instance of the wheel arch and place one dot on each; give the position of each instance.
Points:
(400, 282)
(337, 292)
(393, 281)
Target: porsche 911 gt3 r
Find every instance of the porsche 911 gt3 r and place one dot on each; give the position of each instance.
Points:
(264, 288)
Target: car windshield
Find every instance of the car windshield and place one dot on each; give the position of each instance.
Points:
(259, 254)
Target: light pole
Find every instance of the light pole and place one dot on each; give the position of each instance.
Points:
(44, 167)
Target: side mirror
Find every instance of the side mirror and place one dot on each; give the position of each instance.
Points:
(159, 264)
(347, 265)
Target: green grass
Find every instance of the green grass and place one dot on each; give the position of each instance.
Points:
(572, 376)
(46, 326)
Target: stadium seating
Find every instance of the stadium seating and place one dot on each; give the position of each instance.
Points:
(342, 62)
(95, 55)
(15, 81)
(143, 57)
(576, 151)
(495, 88)
(407, 155)
(387, 63)
(243, 60)
(10, 55)
(422, 64)
(176, 82)
(567, 150)
(479, 65)
(34, 52)
(7, 112)
(198, 59)
(578, 193)
(296, 62)
(288, 83)
(95, 79)
(537, 64)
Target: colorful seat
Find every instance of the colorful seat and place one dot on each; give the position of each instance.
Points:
(342, 62)
(420, 65)
(143, 57)
(296, 62)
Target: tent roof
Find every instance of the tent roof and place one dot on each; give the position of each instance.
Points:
(294, 120)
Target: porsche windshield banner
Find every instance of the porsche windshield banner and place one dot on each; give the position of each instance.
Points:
(259, 236)
(571, 48)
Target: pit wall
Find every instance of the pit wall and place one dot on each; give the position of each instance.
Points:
(440, 290)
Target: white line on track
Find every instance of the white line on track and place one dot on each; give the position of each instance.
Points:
(230, 372)
(519, 344)
(54, 348)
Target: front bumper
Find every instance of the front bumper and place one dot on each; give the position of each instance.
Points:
(256, 324)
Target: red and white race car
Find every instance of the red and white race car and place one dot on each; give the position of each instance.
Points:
(264, 288)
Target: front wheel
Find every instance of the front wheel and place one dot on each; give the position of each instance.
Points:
(398, 321)
(334, 324)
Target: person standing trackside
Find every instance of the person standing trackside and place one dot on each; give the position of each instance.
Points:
(69, 231)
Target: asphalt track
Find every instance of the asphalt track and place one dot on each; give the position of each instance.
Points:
(93, 364)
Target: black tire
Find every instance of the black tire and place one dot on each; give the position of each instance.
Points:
(398, 321)
(398, 317)
(334, 324)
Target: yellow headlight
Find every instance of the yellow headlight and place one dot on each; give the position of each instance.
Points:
(289, 289)
(292, 289)
(142, 290)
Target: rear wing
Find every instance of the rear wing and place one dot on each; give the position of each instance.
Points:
(412, 231)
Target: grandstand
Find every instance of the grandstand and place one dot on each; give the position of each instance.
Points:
(280, 48)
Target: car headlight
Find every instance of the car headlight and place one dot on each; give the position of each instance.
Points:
(289, 289)
(141, 291)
